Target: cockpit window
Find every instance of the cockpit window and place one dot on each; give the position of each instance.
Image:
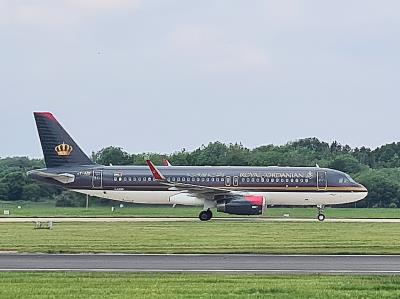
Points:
(346, 179)
(350, 179)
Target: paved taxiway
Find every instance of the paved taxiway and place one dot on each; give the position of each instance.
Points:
(181, 219)
(272, 264)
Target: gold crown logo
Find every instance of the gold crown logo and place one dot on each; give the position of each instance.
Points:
(63, 150)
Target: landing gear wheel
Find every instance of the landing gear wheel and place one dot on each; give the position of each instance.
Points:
(321, 217)
(205, 215)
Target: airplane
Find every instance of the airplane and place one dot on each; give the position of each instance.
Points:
(229, 189)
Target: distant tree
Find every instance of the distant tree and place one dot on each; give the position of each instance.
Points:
(213, 154)
(346, 163)
(112, 155)
(388, 155)
(15, 182)
(31, 192)
(3, 191)
(237, 154)
(181, 158)
(382, 190)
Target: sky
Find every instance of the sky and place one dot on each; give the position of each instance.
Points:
(163, 75)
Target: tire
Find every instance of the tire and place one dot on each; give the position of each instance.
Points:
(321, 217)
(205, 215)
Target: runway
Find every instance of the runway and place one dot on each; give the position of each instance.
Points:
(261, 264)
(186, 219)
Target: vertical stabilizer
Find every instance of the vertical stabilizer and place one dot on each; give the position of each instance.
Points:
(59, 149)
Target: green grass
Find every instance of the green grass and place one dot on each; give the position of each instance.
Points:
(29, 209)
(197, 237)
(165, 286)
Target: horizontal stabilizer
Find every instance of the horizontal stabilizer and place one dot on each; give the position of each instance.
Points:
(65, 178)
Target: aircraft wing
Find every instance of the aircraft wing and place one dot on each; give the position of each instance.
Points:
(195, 190)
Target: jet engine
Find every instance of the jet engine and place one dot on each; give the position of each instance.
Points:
(241, 205)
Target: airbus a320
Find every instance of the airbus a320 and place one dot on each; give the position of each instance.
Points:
(229, 189)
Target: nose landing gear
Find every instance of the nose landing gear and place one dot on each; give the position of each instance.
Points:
(205, 215)
(321, 215)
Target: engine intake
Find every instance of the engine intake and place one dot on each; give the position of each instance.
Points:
(242, 205)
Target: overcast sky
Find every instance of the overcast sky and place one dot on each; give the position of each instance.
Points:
(165, 75)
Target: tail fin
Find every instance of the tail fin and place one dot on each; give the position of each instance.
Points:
(59, 149)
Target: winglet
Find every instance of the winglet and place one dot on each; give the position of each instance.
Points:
(166, 163)
(155, 172)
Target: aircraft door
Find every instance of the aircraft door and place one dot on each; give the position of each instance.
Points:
(235, 181)
(322, 182)
(228, 181)
(97, 179)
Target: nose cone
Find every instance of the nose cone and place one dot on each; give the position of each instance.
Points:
(363, 191)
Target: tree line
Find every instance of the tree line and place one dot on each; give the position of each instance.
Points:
(378, 169)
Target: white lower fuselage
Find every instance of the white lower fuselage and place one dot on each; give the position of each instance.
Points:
(271, 198)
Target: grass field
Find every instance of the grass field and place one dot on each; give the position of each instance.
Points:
(197, 237)
(123, 285)
(48, 209)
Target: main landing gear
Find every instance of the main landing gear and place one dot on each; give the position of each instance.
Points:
(321, 216)
(205, 215)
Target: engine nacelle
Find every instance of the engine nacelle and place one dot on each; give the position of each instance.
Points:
(242, 205)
